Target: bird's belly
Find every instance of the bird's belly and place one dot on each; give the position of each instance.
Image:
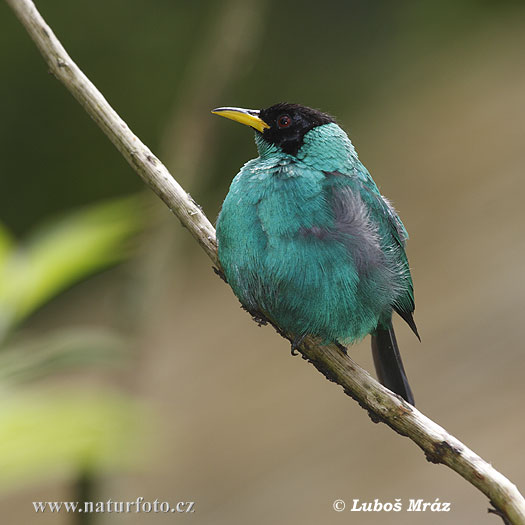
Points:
(319, 291)
(306, 286)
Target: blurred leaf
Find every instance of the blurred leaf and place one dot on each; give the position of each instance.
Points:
(65, 433)
(63, 350)
(64, 252)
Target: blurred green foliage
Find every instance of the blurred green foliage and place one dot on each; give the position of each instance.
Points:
(60, 253)
(28, 359)
(64, 431)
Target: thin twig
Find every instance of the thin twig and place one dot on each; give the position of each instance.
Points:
(383, 406)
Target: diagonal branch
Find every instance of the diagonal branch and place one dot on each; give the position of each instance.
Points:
(383, 406)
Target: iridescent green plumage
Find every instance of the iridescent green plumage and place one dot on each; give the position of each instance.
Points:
(306, 239)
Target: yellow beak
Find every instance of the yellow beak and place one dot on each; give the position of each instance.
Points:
(248, 117)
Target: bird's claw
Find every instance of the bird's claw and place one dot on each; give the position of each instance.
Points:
(296, 343)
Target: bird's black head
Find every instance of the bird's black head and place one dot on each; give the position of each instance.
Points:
(284, 124)
(288, 124)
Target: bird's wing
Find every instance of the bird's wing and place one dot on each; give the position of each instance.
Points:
(347, 191)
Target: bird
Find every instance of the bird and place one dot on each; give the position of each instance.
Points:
(307, 241)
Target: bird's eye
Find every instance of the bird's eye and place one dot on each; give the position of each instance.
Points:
(284, 121)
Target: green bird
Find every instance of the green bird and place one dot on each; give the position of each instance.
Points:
(306, 240)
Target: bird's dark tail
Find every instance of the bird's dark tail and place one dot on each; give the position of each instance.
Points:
(388, 364)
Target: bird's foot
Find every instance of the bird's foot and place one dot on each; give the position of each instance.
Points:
(296, 343)
(257, 316)
(342, 348)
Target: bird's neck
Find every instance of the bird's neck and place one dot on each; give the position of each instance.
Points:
(326, 148)
(267, 149)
